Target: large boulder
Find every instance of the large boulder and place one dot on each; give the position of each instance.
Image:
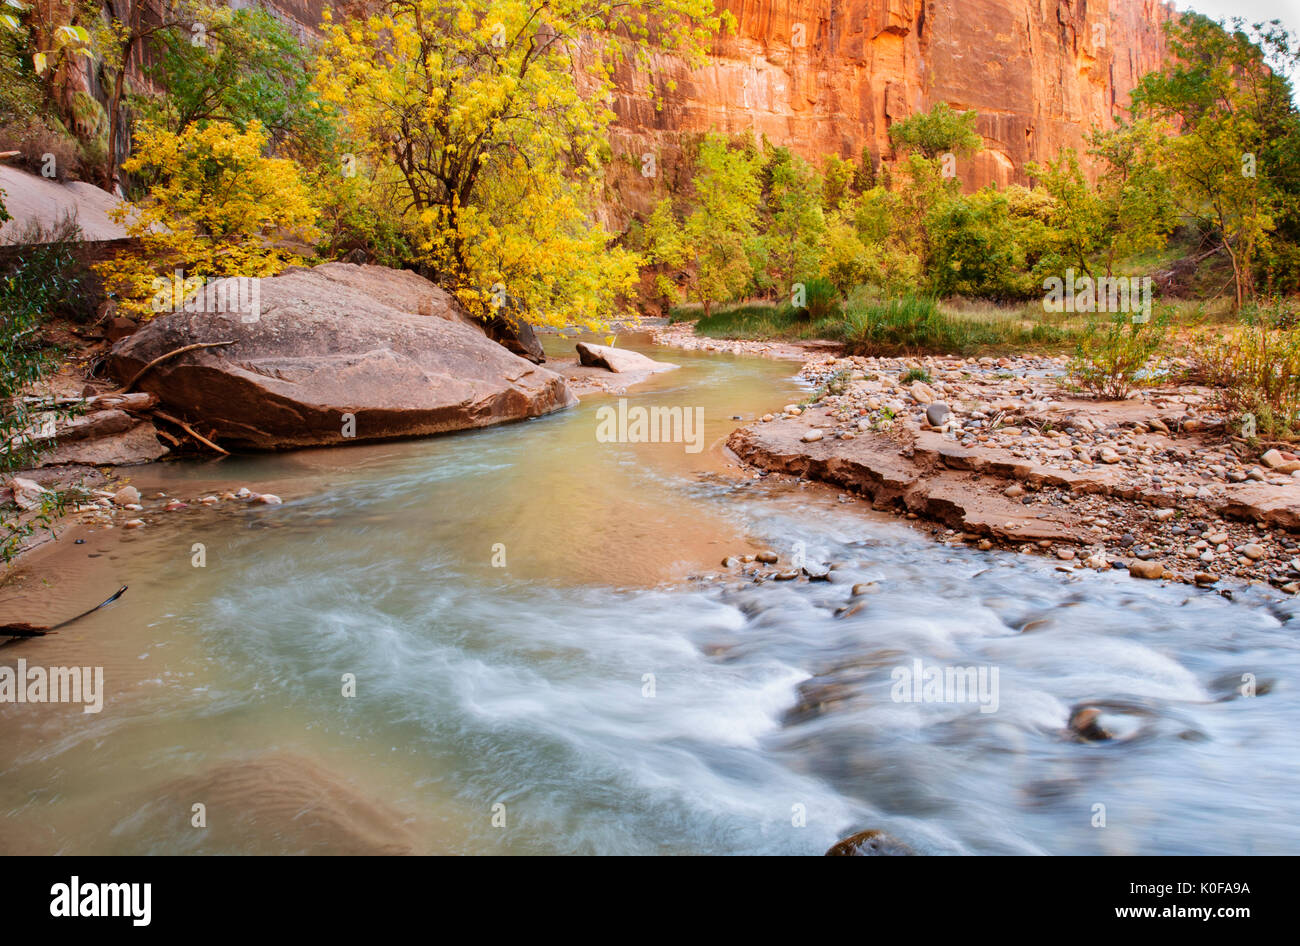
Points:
(618, 360)
(385, 346)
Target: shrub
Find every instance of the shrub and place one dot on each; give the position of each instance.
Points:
(821, 300)
(1257, 371)
(1109, 358)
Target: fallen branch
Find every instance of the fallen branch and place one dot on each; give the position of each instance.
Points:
(23, 629)
(191, 431)
(171, 354)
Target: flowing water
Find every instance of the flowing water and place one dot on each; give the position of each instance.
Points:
(537, 671)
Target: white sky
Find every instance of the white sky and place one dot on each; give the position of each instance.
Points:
(1252, 11)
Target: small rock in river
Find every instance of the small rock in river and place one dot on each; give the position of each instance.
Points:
(1150, 570)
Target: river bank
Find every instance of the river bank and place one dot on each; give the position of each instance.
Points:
(999, 452)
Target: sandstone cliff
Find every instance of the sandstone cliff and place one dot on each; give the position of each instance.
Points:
(828, 76)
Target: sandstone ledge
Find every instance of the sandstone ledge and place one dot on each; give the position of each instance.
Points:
(925, 474)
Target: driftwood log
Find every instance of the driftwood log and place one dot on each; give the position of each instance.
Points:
(23, 629)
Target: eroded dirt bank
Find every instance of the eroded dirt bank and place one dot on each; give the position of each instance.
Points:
(1002, 455)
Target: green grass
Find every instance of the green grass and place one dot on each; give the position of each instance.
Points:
(759, 321)
(913, 325)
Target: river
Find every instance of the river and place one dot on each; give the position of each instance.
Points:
(538, 668)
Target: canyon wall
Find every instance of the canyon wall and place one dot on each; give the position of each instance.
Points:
(829, 76)
(825, 76)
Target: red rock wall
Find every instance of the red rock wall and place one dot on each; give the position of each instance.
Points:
(1039, 72)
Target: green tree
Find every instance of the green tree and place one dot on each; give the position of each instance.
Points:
(712, 239)
(794, 225)
(1232, 149)
(939, 131)
(236, 66)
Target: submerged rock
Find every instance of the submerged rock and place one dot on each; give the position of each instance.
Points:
(871, 843)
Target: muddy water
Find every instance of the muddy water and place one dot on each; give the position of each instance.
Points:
(513, 605)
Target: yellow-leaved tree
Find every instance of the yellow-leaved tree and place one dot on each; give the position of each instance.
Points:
(217, 207)
(485, 123)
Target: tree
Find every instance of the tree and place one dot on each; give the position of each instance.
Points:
(714, 246)
(236, 66)
(939, 131)
(469, 112)
(1077, 220)
(795, 225)
(1133, 190)
(1231, 149)
(218, 207)
(117, 40)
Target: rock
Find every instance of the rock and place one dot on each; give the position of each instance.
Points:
(27, 494)
(864, 588)
(1084, 723)
(1254, 552)
(335, 340)
(268, 499)
(767, 558)
(244, 493)
(1163, 515)
(127, 496)
(1272, 459)
(817, 571)
(790, 575)
(921, 392)
(1205, 578)
(1149, 570)
(812, 436)
(937, 414)
(135, 442)
(133, 524)
(618, 360)
(869, 844)
(730, 562)
(1108, 455)
(1065, 555)
(1014, 491)
(175, 505)
(516, 335)
(793, 409)
(768, 418)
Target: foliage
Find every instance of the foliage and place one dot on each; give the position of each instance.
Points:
(218, 207)
(484, 123)
(1257, 371)
(46, 279)
(714, 247)
(794, 226)
(1109, 358)
(1233, 147)
(938, 131)
(239, 67)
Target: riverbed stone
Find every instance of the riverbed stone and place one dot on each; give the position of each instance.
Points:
(1148, 570)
